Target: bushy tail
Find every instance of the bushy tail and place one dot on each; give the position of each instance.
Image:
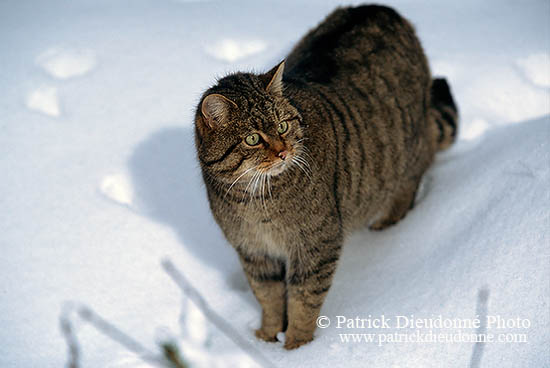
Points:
(444, 113)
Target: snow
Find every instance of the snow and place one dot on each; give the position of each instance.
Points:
(100, 183)
(118, 188)
(475, 129)
(232, 50)
(63, 64)
(44, 99)
(535, 68)
(506, 95)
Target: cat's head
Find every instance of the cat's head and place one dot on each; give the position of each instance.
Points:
(245, 126)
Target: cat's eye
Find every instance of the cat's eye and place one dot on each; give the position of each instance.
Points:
(282, 127)
(252, 139)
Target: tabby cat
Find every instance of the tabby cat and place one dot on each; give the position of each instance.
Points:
(333, 139)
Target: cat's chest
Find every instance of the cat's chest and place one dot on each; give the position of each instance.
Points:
(269, 227)
(265, 236)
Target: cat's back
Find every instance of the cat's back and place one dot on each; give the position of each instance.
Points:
(352, 40)
(365, 70)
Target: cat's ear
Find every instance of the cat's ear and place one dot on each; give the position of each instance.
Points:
(215, 110)
(274, 79)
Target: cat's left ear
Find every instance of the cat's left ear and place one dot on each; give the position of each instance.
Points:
(215, 110)
(274, 79)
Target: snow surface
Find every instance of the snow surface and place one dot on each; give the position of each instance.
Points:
(44, 99)
(233, 50)
(65, 64)
(101, 182)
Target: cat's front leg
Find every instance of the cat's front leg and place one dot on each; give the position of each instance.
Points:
(266, 277)
(308, 281)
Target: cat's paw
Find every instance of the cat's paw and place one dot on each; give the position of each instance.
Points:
(269, 337)
(292, 343)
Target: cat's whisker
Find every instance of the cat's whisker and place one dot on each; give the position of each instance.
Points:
(306, 167)
(236, 180)
(264, 178)
(303, 170)
(302, 165)
(302, 150)
(269, 186)
(305, 152)
(261, 190)
(249, 185)
(255, 185)
(302, 159)
(266, 181)
(307, 157)
(256, 181)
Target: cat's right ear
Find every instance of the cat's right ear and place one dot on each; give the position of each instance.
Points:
(273, 79)
(215, 110)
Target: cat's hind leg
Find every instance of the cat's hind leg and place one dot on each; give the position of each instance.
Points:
(399, 205)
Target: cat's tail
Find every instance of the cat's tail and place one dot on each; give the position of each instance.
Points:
(444, 113)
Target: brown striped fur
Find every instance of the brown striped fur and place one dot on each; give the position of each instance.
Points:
(364, 122)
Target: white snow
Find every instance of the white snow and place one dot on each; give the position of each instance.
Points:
(65, 63)
(44, 100)
(93, 200)
(232, 50)
(476, 128)
(118, 188)
(536, 68)
(505, 96)
(444, 68)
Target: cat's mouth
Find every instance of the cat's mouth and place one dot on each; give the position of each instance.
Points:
(277, 166)
(296, 159)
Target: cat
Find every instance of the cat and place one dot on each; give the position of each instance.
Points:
(333, 139)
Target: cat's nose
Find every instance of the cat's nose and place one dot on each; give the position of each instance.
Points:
(282, 154)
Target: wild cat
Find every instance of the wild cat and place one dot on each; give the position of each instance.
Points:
(333, 139)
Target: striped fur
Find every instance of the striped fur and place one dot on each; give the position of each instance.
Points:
(364, 122)
(444, 113)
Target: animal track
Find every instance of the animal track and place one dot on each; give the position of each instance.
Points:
(231, 50)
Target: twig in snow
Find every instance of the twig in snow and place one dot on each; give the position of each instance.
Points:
(115, 334)
(111, 331)
(172, 354)
(218, 321)
(71, 340)
(481, 312)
